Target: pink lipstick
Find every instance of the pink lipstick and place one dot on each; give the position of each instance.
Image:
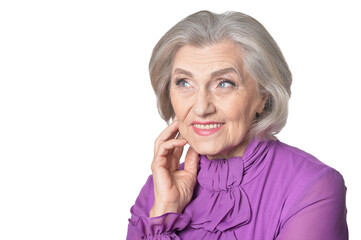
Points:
(206, 128)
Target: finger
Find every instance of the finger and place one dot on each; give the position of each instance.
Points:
(164, 157)
(169, 146)
(180, 137)
(191, 161)
(178, 151)
(167, 134)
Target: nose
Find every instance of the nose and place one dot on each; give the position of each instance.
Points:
(203, 105)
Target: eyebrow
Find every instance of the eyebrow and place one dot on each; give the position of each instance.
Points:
(224, 71)
(182, 71)
(213, 74)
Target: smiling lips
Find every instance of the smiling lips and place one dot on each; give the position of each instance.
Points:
(206, 128)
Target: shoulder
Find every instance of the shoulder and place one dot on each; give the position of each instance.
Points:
(306, 179)
(297, 170)
(297, 163)
(293, 153)
(300, 168)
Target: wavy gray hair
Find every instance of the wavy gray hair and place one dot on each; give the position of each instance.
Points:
(262, 59)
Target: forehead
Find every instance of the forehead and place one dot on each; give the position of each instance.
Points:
(208, 58)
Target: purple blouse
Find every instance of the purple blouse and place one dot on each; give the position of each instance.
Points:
(274, 191)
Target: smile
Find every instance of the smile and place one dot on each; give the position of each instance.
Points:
(206, 128)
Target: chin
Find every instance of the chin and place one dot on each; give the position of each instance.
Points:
(206, 149)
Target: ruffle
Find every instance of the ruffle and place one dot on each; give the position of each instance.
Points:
(219, 210)
(220, 203)
(162, 227)
(220, 174)
(201, 234)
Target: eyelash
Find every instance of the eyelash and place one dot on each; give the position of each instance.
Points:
(180, 81)
(227, 81)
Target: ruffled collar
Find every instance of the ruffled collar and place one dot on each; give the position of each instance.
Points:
(220, 203)
(220, 174)
(223, 174)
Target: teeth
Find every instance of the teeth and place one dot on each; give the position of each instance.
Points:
(208, 126)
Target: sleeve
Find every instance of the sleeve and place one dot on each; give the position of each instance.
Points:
(141, 226)
(321, 212)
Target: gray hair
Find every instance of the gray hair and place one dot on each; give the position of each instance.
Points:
(262, 58)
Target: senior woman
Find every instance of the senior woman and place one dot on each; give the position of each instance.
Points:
(226, 85)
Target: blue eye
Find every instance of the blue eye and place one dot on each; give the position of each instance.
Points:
(182, 83)
(226, 83)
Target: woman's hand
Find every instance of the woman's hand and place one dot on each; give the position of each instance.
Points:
(173, 188)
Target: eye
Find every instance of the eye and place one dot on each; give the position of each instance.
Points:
(182, 83)
(226, 84)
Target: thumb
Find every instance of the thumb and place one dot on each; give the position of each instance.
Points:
(191, 161)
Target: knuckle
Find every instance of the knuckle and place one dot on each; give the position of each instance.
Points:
(156, 141)
(162, 146)
(154, 165)
(156, 161)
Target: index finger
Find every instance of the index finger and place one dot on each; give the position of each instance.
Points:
(169, 133)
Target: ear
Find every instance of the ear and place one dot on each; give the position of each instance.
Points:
(262, 103)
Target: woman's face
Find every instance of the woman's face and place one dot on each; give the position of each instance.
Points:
(213, 101)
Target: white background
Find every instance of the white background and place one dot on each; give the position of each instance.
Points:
(78, 116)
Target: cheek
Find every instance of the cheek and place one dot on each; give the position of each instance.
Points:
(179, 112)
(180, 104)
(183, 130)
(243, 110)
(177, 108)
(234, 110)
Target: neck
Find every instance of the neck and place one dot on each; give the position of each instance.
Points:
(236, 151)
